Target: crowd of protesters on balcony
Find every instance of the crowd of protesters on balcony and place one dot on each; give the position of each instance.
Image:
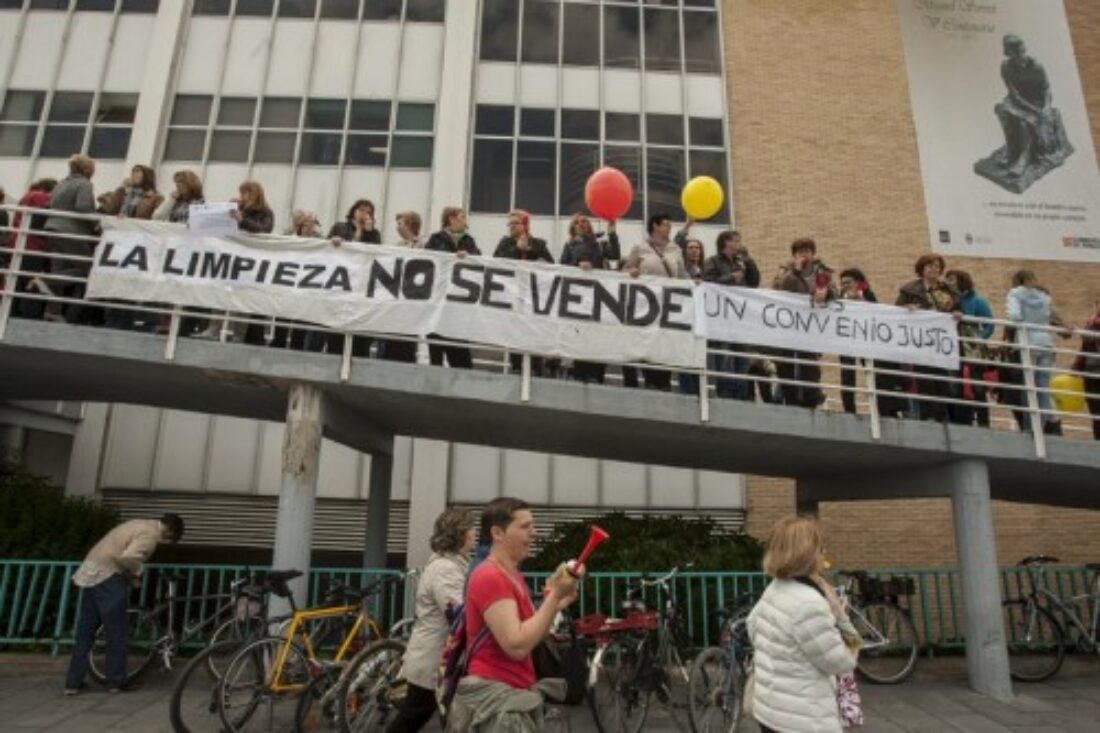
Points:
(740, 371)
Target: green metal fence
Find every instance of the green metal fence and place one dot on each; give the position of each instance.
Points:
(39, 605)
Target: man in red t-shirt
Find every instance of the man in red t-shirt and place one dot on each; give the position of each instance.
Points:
(497, 597)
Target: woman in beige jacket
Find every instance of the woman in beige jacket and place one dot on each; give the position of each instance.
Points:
(441, 585)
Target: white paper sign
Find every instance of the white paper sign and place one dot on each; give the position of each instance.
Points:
(846, 327)
(212, 219)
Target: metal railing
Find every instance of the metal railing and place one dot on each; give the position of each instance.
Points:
(39, 605)
(1026, 401)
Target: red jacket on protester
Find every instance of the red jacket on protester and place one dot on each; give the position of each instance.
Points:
(35, 242)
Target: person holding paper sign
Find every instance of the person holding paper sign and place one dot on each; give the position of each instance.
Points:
(805, 274)
(931, 292)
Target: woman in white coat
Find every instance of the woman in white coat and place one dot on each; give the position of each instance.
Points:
(442, 584)
(798, 630)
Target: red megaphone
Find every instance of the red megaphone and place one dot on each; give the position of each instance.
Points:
(596, 537)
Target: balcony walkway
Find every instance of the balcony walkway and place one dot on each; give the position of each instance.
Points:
(832, 455)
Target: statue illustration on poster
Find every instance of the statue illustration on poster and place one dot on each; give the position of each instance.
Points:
(1035, 138)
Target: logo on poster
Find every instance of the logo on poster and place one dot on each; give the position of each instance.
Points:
(1081, 242)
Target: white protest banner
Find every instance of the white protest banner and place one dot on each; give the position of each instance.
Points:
(533, 307)
(212, 219)
(1006, 148)
(846, 327)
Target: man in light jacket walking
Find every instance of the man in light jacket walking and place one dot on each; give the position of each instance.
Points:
(106, 575)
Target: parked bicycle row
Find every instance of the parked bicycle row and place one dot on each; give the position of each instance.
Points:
(479, 650)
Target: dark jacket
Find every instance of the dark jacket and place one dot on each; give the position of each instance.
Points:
(598, 250)
(738, 270)
(111, 203)
(536, 250)
(1089, 358)
(257, 221)
(346, 230)
(793, 281)
(441, 241)
(914, 293)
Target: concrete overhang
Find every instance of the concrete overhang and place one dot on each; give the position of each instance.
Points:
(382, 399)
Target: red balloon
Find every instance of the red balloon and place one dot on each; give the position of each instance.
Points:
(608, 193)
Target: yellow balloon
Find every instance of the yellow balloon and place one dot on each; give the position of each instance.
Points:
(702, 197)
(1068, 383)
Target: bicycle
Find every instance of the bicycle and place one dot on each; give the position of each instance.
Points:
(193, 703)
(276, 668)
(1036, 639)
(717, 682)
(888, 654)
(638, 657)
(241, 616)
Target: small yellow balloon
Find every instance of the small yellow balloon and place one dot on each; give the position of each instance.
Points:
(702, 197)
(1074, 402)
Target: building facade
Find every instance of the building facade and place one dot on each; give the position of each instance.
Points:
(413, 104)
(801, 110)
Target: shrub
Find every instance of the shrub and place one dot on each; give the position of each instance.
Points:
(37, 520)
(648, 544)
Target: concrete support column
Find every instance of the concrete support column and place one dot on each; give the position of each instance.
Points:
(12, 440)
(427, 496)
(89, 449)
(378, 510)
(986, 653)
(158, 83)
(453, 108)
(298, 489)
(805, 503)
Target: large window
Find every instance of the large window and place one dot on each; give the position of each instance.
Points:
(102, 6)
(68, 126)
(323, 131)
(414, 11)
(520, 161)
(674, 37)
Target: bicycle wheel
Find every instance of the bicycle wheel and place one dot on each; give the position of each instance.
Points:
(714, 692)
(256, 693)
(1035, 641)
(142, 635)
(617, 702)
(371, 692)
(193, 707)
(317, 705)
(889, 652)
(239, 631)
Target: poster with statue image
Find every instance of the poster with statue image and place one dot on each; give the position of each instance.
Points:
(1006, 150)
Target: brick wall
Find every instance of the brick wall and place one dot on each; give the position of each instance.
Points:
(824, 146)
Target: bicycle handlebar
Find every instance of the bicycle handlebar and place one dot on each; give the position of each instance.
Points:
(664, 579)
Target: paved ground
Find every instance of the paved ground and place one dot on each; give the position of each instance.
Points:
(934, 701)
